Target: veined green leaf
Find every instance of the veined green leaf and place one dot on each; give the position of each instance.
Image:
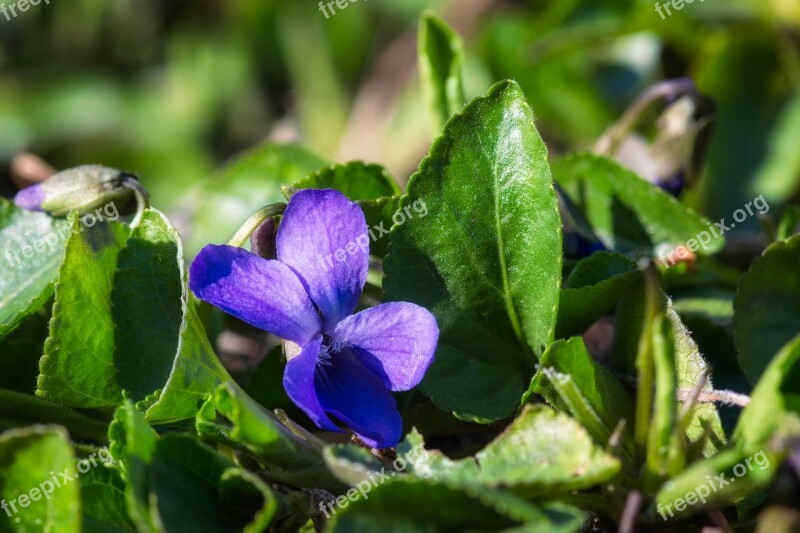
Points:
(592, 290)
(32, 245)
(146, 305)
(541, 453)
(572, 381)
(630, 214)
(103, 497)
(487, 258)
(78, 368)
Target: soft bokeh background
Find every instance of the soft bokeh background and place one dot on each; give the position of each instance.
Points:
(172, 89)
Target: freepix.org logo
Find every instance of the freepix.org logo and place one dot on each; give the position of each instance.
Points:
(10, 11)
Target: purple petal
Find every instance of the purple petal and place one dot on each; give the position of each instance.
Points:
(30, 198)
(265, 294)
(357, 397)
(395, 340)
(298, 380)
(323, 237)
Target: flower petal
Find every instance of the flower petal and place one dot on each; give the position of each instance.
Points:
(30, 198)
(298, 380)
(357, 397)
(323, 237)
(395, 340)
(265, 294)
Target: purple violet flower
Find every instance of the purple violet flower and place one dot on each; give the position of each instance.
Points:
(346, 364)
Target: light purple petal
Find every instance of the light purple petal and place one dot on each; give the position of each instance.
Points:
(357, 397)
(396, 340)
(323, 238)
(30, 198)
(265, 294)
(298, 380)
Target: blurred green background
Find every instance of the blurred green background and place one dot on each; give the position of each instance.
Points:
(172, 89)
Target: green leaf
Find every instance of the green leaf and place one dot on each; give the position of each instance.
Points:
(572, 381)
(592, 290)
(195, 489)
(441, 62)
(293, 457)
(541, 453)
(28, 459)
(790, 222)
(103, 497)
(239, 488)
(487, 258)
(196, 372)
(777, 176)
(629, 214)
(32, 245)
(416, 505)
(133, 443)
(250, 181)
(776, 393)
(78, 367)
(357, 180)
(352, 464)
(371, 187)
(131, 435)
(146, 305)
(767, 306)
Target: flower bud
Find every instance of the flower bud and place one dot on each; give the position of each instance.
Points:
(82, 189)
(671, 159)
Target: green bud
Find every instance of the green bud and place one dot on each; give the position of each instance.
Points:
(83, 189)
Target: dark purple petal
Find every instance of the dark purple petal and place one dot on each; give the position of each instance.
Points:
(323, 237)
(357, 397)
(395, 340)
(265, 294)
(298, 380)
(30, 198)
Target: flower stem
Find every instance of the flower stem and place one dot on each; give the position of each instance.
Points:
(255, 220)
(142, 198)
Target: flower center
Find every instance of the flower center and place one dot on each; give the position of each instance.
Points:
(327, 350)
